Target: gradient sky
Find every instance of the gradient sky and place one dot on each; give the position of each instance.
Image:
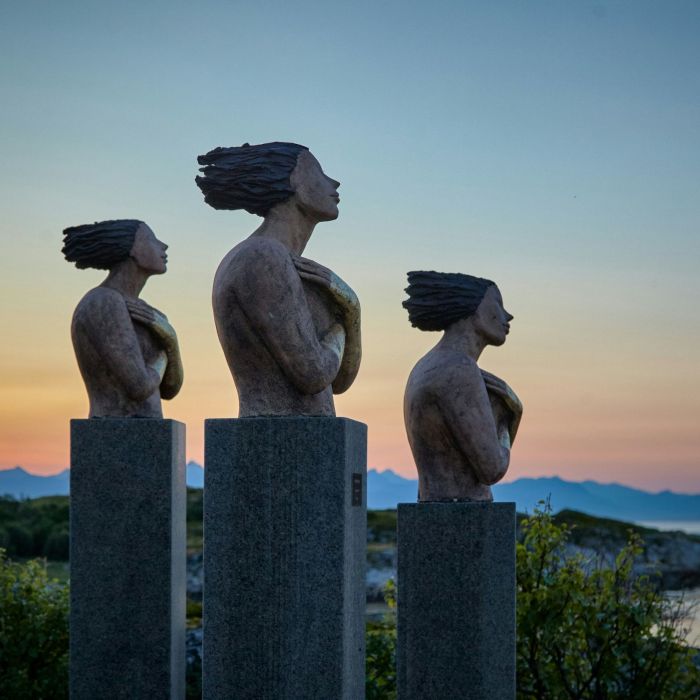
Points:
(553, 147)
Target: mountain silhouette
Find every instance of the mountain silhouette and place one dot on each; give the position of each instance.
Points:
(386, 488)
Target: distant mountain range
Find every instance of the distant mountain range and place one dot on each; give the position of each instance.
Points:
(385, 489)
(21, 484)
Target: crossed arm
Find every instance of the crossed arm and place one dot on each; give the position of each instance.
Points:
(467, 411)
(157, 322)
(349, 305)
(269, 291)
(107, 320)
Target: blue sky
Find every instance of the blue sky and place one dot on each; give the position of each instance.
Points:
(551, 146)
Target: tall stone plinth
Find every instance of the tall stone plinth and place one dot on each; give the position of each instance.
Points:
(456, 601)
(127, 559)
(284, 558)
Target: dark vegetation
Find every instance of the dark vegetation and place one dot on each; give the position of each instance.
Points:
(583, 632)
(35, 528)
(33, 633)
(39, 527)
(381, 526)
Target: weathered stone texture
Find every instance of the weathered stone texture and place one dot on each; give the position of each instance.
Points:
(127, 539)
(284, 559)
(456, 601)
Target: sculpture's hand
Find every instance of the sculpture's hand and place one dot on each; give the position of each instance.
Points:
(349, 307)
(497, 386)
(168, 364)
(312, 271)
(342, 294)
(153, 319)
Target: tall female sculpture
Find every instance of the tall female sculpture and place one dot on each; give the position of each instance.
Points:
(461, 421)
(127, 351)
(289, 327)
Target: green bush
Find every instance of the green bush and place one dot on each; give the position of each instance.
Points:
(589, 632)
(20, 541)
(27, 525)
(380, 640)
(584, 632)
(57, 546)
(33, 632)
(381, 526)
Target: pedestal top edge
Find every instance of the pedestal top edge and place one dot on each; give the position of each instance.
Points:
(125, 421)
(458, 505)
(283, 419)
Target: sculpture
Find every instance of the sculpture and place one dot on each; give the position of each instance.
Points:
(289, 327)
(461, 421)
(127, 351)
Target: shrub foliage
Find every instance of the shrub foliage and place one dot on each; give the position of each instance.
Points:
(33, 632)
(35, 528)
(590, 632)
(584, 632)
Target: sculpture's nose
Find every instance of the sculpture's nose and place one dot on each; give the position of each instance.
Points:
(336, 184)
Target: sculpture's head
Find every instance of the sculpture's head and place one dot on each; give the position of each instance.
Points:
(105, 244)
(437, 300)
(259, 178)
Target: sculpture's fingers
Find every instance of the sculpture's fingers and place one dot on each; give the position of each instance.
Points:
(312, 267)
(303, 267)
(141, 317)
(312, 276)
(138, 306)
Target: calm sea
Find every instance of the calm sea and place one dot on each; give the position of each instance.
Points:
(692, 527)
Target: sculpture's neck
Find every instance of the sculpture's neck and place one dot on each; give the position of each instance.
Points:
(462, 337)
(288, 224)
(127, 278)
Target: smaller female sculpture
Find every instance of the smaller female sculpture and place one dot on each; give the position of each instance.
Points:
(127, 351)
(461, 421)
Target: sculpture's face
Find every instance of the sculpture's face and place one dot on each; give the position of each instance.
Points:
(491, 320)
(148, 252)
(315, 193)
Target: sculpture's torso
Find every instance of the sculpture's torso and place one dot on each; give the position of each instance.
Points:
(247, 316)
(444, 471)
(108, 396)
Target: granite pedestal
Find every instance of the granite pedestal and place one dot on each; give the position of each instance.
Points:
(284, 558)
(456, 601)
(127, 559)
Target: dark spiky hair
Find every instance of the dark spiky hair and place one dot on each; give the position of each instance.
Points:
(254, 178)
(437, 299)
(100, 245)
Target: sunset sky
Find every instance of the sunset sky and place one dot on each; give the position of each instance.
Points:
(553, 147)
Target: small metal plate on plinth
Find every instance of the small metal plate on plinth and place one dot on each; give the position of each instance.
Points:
(357, 489)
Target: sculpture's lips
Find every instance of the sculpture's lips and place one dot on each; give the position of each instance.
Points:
(507, 329)
(336, 197)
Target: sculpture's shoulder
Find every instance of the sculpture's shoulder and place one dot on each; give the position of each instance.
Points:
(440, 371)
(252, 260)
(98, 303)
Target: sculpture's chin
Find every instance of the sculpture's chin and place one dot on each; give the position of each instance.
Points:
(330, 215)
